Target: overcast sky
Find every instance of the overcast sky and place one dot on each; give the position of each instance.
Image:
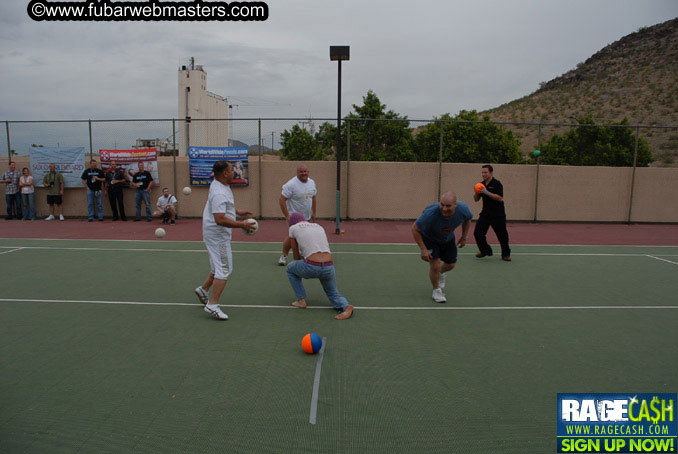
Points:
(421, 58)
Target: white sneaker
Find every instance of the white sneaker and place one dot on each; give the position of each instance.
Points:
(202, 295)
(282, 261)
(49, 218)
(441, 280)
(215, 311)
(438, 296)
(61, 217)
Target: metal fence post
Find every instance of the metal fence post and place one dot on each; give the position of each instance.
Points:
(440, 163)
(174, 158)
(91, 152)
(9, 145)
(536, 186)
(633, 174)
(348, 166)
(261, 207)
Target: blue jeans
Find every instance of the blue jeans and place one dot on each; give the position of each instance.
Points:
(139, 195)
(300, 269)
(91, 198)
(13, 199)
(29, 205)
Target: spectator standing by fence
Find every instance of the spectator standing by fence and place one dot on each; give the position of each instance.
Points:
(54, 182)
(115, 181)
(142, 182)
(12, 197)
(27, 194)
(93, 178)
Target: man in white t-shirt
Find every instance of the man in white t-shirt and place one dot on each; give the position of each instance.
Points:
(309, 242)
(298, 196)
(167, 206)
(218, 219)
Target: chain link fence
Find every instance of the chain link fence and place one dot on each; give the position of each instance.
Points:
(430, 144)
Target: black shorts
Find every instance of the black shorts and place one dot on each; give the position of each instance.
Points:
(53, 200)
(447, 252)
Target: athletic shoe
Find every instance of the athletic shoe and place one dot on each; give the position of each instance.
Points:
(480, 255)
(215, 311)
(61, 217)
(441, 280)
(298, 304)
(49, 218)
(172, 222)
(346, 314)
(506, 258)
(202, 295)
(438, 296)
(282, 261)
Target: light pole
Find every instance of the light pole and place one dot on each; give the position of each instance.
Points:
(338, 54)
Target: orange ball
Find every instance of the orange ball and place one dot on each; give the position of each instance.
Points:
(311, 343)
(479, 188)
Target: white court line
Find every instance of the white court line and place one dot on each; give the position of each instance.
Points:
(373, 308)
(527, 254)
(316, 384)
(7, 252)
(663, 260)
(353, 244)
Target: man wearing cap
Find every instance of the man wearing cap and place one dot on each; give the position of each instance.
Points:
(309, 241)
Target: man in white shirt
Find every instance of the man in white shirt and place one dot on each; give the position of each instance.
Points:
(298, 196)
(167, 206)
(218, 218)
(309, 242)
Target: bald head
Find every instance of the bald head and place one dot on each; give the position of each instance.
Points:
(302, 173)
(449, 196)
(448, 204)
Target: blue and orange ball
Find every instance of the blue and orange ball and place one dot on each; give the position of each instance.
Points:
(311, 343)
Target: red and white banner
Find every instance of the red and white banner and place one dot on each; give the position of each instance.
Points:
(130, 159)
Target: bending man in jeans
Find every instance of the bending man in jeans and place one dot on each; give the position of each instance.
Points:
(310, 242)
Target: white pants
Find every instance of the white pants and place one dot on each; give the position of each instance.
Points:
(221, 259)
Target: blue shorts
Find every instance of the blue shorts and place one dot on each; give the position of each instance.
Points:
(447, 252)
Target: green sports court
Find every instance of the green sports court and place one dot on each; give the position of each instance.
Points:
(105, 348)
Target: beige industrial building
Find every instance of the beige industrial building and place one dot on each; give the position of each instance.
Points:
(198, 104)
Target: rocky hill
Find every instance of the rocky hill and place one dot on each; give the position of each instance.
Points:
(635, 78)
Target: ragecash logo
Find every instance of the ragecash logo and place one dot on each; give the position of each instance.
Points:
(617, 423)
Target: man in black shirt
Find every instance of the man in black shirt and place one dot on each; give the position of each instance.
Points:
(142, 181)
(493, 215)
(115, 180)
(93, 178)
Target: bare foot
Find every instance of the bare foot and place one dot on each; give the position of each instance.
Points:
(346, 314)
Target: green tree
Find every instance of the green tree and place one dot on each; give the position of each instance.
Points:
(299, 145)
(377, 134)
(590, 145)
(326, 138)
(467, 138)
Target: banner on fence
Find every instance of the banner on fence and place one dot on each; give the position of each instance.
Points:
(129, 161)
(69, 161)
(202, 159)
